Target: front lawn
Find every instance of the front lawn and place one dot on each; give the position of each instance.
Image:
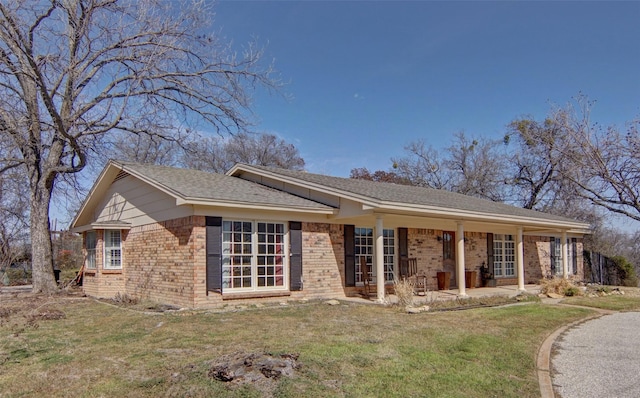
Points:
(79, 347)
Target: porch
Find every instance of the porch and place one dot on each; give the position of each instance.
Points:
(452, 294)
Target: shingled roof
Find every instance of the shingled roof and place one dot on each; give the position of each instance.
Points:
(196, 185)
(382, 193)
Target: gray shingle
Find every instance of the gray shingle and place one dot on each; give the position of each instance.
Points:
(411, 195)
(196, 184)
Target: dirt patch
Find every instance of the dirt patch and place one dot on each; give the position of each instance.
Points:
(261, 370)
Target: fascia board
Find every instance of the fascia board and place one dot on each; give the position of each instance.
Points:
(254, 206)
(111, 165)
(477, 216)
(102, 225)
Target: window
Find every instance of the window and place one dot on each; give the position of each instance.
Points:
(112, 249)
(571, 256)
(448, 246)
(504, 256)
(253, 255)
(90, 246)
(389, 254)
(364, 248)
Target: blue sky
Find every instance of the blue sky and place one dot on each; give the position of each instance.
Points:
(367, 78)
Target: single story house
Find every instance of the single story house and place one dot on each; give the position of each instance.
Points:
(196, 239)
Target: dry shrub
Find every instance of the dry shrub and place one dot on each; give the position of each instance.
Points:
(125, 300)
(561, 286)
(404, 291)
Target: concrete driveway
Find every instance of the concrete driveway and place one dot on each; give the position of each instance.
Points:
(599, 358)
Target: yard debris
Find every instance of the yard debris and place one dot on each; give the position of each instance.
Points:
(261, 370)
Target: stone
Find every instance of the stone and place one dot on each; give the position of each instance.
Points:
(332, 302)
(417, 310)
(555, 295)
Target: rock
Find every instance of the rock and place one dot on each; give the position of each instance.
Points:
(555, 295)
(417, 310)
(332, 302)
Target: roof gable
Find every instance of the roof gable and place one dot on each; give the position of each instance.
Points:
(195, 187)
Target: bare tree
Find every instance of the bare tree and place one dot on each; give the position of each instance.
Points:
(423, 166)
(602, 163)
(218, 154)
(535, 156)
(477, 167)
(363, 173)
(567, 160)
(14, 216)
(73, 72)
(143, 148)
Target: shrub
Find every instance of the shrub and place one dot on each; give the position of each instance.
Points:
(626, 271)
(559, 286)
(571, 291)
(404, 291)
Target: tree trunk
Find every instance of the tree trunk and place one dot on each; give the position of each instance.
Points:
(41, 248)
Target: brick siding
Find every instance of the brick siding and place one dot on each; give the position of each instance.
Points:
(166, 262)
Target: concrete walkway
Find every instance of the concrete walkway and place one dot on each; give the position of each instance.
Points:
(599, 358)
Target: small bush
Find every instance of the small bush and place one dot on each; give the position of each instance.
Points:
(559, 286)
(404, 291)
(571, 291)
(125, 299)
(626, 271)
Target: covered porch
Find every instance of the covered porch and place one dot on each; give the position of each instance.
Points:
(433, 246)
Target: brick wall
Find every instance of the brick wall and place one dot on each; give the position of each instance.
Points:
(323, 261)
(159, 261)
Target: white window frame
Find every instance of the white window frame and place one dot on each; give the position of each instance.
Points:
(90, 261)
(558, 256)
(389, 238)
(249, 249)
(504, 256)
(364, 246)
(110, 248)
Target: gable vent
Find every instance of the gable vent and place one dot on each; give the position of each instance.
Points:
(122, 174)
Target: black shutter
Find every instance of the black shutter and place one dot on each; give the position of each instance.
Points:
(295, 251)
(552, 248)
(403, 248)
(214, 253)
(574, 257)
(490, 253)
(349, 255)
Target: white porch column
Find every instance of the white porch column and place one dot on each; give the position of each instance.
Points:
(379, 249)
(565, 256)
(520, 259)
(462, 290)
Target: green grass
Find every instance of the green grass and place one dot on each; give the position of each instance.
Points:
(614, 303)
(348, 350)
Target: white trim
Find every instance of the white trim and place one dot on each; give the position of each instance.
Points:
(104, 252)
(286, 266)
(247, 205)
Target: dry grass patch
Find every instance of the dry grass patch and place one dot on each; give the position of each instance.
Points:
(345, 350)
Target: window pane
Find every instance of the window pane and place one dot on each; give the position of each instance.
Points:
(112, 250)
